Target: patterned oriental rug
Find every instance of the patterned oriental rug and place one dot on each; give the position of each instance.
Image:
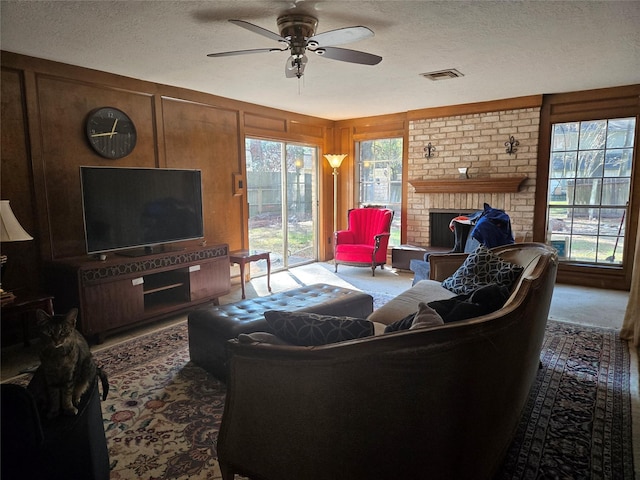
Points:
(577, 422)
(163, 413)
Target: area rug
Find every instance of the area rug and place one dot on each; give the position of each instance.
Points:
(577, 422)
(379, 299)
(163, 413)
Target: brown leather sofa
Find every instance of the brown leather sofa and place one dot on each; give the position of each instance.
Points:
(441, 402)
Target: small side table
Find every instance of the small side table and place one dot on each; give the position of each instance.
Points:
(24, 304)
(242, 257)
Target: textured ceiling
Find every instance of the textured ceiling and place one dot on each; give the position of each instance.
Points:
(504, 49)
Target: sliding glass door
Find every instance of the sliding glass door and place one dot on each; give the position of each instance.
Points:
(282, 196)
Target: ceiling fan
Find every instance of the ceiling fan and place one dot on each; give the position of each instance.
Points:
(298, 35)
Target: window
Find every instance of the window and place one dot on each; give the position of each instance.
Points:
(589, 186)
(379, 170)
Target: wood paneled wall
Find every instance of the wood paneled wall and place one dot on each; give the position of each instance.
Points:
(44, 107)
(45, 104)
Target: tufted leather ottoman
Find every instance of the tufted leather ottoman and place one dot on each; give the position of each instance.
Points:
(211, 328)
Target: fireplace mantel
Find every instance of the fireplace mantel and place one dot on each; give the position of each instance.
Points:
(469, 185)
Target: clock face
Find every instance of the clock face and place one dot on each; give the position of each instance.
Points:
(111, 132)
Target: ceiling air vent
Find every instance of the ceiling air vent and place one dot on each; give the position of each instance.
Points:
(442, 74)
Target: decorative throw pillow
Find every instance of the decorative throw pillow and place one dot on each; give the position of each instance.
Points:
(306, 329)
(426, 317)
(481, 268)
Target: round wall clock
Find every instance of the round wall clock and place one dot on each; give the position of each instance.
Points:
(111, 132)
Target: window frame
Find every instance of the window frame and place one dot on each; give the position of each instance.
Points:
(359, 202)
(610, 103)
(579, 168)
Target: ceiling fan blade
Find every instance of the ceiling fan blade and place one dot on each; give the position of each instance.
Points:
(245, 52)
(259, 30)
(342, 36)
(346, 55)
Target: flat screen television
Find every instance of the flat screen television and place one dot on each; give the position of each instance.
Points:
(133, 210)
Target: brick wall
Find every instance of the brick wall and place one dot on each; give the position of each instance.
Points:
(475, 141)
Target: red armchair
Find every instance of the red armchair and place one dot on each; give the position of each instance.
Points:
(364, 243)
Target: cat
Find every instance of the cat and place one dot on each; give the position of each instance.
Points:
(67, 367)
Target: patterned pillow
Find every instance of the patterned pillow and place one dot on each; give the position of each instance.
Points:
(303, 328)
(481, 268)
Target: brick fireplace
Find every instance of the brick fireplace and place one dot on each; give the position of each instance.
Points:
(475, 141)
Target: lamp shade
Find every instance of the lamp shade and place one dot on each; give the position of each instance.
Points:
(335, 160)
(10, 228)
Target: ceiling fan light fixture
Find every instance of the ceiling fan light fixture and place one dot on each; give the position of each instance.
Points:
(295, 61)
(295, 66)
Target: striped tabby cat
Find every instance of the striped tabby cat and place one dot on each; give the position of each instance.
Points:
(66, 363)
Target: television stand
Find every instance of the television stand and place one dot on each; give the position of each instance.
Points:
(150, 250)
(123, 291)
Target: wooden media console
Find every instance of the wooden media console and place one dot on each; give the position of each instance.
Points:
(120, 291)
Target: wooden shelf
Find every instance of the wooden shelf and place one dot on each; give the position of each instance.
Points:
(163, 288)
(469, 185)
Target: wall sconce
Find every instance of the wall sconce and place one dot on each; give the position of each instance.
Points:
(511, 145)
(430, 149)
(335, 161)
